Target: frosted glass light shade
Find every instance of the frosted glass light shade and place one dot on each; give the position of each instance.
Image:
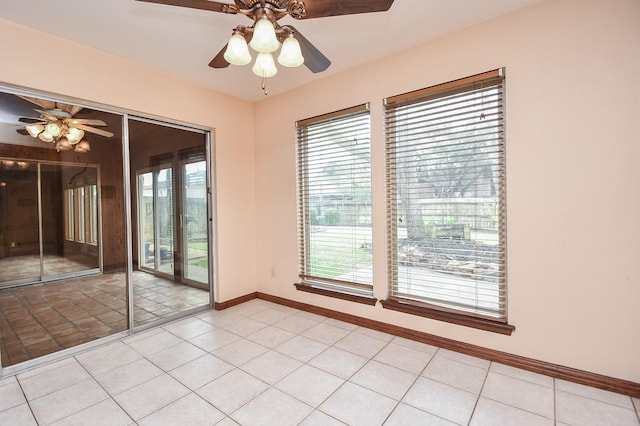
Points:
(264, 66)
(63, 145)
(45, 136)
(290, 54)
(237, 52)
(83, 147)
(34, 129)
(264, 37)
(53, 129)
(74, 135)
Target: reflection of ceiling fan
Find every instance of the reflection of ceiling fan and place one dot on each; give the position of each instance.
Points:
(265, 35)
(58, 125)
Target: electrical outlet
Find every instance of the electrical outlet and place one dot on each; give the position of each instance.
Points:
(13, 244)
(273, 272)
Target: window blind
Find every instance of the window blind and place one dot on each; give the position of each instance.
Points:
(334, 201)
(445, 165)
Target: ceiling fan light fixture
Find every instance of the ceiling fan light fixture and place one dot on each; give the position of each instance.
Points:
(74, 135)
(34, 129)
(290, 54)
(265, 66)
(237, 52)
(63, 145)
(83, 146)
(264, 36)
(45, 136)
(53, 129)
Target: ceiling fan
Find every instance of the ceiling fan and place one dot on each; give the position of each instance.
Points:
(265, 34)
(57, 124)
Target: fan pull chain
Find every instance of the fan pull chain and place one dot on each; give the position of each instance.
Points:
(264, 85)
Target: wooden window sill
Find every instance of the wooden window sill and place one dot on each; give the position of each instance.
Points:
(486, 324)
(336, 294)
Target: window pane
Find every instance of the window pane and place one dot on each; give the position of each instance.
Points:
(79, 216)
(196, 266)
(69, 214)
(445, 163)
(334, 179)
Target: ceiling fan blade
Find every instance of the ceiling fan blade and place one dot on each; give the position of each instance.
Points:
(323, 8)
(313, 58)
(74, 110)
(23, 132)
(30, 120)
(87, 121)
(213, 6)
(39, 102)
(219, 61)
(93, 130)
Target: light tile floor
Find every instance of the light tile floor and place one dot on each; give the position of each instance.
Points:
(264, 364)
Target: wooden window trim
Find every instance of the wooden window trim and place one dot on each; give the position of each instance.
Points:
(486, 324)
(420, 306)
(308, 288)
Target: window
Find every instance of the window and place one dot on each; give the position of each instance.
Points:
(445, 160)
(81, 213)
(334, 205)
(69, 203)
(92, 208)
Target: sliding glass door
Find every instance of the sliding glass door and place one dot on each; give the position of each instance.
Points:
(169, 173)
(49, 215)
(19, 223)
(100, 235)
(69, 220)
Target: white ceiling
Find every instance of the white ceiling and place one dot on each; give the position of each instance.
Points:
(182, 41)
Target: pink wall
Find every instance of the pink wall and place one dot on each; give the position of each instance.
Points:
(80, 72)
(573, 91)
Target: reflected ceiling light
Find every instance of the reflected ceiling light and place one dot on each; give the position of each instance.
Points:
(12, 164)
(83, 146)
(60, 128)
(74, 135)
(45, 136)
(53, 128)
(63, 144)
(34, 129)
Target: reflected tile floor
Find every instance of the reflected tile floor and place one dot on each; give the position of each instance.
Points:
(40, 319)
(260, 363)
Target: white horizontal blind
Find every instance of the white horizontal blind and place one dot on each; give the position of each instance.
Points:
(445, 163)
(334, 201)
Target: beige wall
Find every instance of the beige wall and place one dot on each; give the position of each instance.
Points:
(73, 70)
(573, 99)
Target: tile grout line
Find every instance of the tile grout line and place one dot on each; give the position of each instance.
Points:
(26, 400)
(484, 382)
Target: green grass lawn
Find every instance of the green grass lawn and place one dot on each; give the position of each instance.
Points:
(333, 250)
